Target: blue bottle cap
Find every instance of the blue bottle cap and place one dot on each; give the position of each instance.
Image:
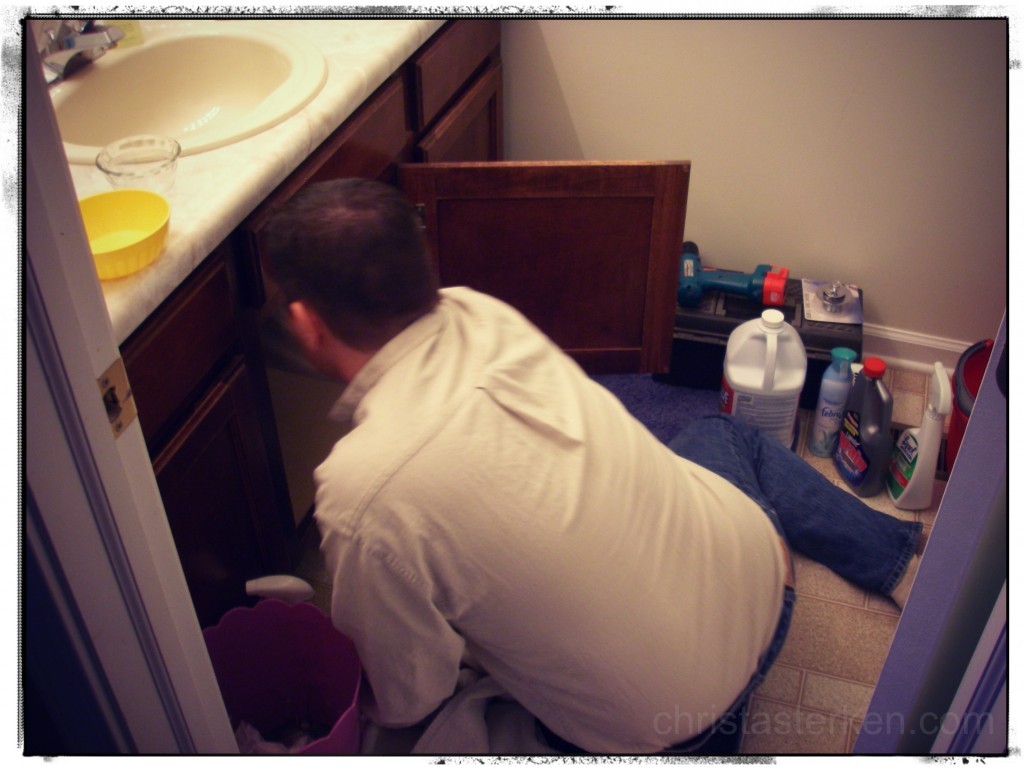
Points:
(844, 353)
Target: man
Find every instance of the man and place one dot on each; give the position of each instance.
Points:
(492, 506)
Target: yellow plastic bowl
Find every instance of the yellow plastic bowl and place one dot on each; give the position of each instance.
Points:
(126, 229)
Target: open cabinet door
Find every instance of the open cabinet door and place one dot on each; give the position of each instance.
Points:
(588, 251)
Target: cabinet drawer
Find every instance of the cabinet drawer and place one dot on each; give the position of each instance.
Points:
(448, 62)
(369, 141)
(168, 358)
(471, 131)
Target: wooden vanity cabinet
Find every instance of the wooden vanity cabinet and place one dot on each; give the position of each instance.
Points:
(196, 364)
(588, 251)
(202, 417)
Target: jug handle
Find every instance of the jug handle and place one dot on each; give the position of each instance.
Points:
(769, 362)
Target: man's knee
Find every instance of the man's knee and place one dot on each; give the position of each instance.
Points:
(699, 433)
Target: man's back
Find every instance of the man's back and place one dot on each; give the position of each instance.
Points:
(493, 504)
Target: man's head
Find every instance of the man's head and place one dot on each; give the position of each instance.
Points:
(350, 254)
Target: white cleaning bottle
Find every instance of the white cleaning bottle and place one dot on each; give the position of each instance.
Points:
(763, 375)
(835, 387)
(912, 470)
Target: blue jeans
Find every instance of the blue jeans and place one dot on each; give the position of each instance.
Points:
(813, 516)
(818, 519)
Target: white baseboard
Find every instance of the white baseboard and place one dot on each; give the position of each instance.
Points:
(912, 351)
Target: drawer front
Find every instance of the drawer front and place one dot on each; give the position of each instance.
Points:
(369, 142)
(471, 131)
(448, 62)
(169, 357)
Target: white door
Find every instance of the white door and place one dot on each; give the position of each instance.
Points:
(93, 519)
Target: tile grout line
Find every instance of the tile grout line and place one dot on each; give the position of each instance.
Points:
(866, 604)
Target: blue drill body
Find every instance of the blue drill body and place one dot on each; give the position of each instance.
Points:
(694, 280)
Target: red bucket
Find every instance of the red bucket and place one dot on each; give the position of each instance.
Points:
(282, 667)
(970, 369)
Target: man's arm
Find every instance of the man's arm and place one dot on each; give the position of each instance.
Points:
(409, 652)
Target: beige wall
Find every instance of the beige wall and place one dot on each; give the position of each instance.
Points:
(873, 152)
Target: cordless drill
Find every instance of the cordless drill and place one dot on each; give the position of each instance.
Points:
(767, 285)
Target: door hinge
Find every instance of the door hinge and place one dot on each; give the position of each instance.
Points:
(117, 397)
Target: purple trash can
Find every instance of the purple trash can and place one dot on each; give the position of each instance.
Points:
(284, 667)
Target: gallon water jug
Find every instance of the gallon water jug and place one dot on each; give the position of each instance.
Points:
(765, 366)
(864, 446)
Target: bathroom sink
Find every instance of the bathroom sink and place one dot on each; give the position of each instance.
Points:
(205, 85)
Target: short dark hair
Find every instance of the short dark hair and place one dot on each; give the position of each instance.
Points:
(354, 250)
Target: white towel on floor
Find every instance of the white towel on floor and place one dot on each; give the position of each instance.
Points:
(481, 719)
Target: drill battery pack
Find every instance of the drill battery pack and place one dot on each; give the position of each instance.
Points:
(702, 332)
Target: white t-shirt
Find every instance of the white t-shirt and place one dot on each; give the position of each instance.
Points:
(492, 504)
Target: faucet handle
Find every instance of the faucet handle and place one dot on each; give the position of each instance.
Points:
(76, 33)
(55, 33)
(75, 26)
(73, 43)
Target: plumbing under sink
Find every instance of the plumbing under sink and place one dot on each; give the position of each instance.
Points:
(206, 86)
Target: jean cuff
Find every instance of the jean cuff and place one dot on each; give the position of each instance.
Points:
(913, 536)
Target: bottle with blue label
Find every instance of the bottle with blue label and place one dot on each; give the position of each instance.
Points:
(864, 445)
(835, 387)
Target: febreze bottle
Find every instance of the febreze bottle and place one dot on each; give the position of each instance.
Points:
(864, 446)
(765, 365)
(836, 383)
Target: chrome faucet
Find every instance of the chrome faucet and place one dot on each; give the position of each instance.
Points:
(69, 44)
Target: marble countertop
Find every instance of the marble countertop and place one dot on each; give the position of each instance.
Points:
(214, 191)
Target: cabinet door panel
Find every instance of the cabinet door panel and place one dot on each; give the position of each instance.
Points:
(172, 354)
(585, 285)
(216, 489)
(588, 251)
(472, 129)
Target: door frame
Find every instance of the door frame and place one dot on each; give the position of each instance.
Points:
(95, 522)
(962, 572)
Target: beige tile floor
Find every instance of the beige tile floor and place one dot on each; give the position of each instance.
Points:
(817, 693)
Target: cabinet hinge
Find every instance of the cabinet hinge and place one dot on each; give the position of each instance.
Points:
(117, 397)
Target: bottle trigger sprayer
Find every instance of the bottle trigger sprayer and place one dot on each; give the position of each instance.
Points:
(915, 457)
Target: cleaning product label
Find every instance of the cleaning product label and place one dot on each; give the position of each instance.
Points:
(904, 461)
(775, 416)
(850, 459)
(726, 397)
(826, 424)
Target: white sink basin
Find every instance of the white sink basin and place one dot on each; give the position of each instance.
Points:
(206, 86)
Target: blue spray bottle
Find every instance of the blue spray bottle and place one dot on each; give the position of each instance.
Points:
(835, 387)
